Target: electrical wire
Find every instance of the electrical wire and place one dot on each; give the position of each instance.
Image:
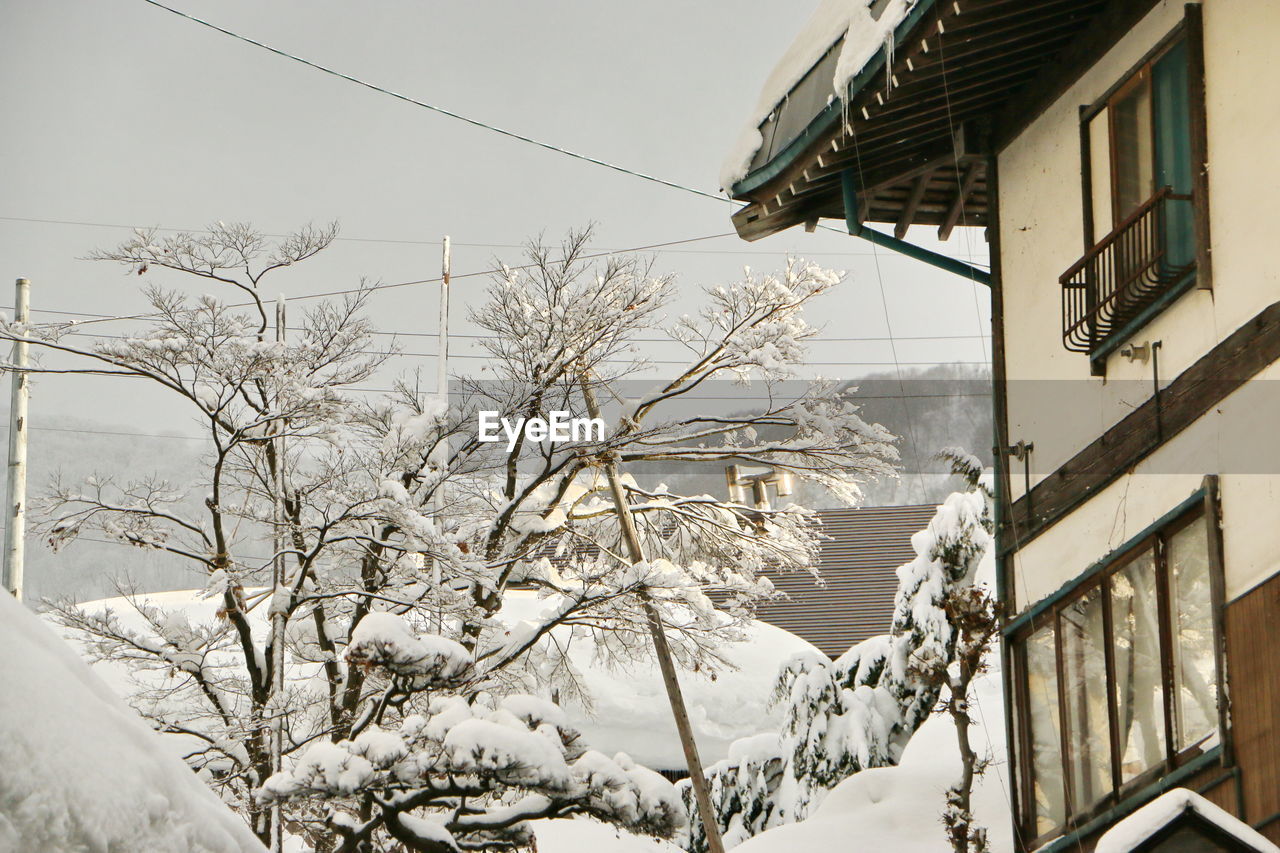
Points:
(438, 109)
(846, 127)
(454, 243)
(406, 334)
(107, 318)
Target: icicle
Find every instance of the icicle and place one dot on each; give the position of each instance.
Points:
(888, 62)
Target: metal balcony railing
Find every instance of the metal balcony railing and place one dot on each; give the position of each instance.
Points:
(1144, 256)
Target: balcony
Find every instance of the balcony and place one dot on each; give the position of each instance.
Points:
(1129, 275)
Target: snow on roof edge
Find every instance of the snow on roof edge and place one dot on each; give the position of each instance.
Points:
(864, 36)
(1160, 812)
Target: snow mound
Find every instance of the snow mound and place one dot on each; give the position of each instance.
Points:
(81, 770)
(578, 835)
(897, 808)
(631, 713)
(864, 36)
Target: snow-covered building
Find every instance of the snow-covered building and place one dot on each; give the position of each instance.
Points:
(1113, 151)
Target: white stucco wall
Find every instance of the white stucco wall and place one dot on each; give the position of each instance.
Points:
(1237, 439)
(1053, 401)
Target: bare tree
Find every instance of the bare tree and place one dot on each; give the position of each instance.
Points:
(404, 704)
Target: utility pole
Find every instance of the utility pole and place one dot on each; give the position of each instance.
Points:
(442, 393)
(661, 649)
(278, 585)
(16, 490)
(442, 359)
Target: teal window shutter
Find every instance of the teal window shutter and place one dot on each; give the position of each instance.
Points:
(1171, 105)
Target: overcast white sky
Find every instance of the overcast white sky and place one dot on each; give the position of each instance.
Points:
(122, 113)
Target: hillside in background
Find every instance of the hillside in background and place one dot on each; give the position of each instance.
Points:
(74, 448)
(928, 409)
(948, 405)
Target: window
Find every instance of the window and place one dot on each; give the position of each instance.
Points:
(1145, 127)
(1117, 681)
(1140, 143)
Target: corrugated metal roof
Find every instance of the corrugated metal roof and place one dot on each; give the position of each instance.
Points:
(858, 565)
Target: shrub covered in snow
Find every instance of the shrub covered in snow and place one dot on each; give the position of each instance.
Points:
(860, 710)
(467, 771)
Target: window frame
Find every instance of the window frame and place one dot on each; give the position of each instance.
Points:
(1203, 505)
(1189, 28)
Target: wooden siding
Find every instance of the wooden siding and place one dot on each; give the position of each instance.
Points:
(1253, 676)
(858, 565)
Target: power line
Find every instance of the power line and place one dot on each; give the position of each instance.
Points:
(489, 357)
(114, 432)
(397, 241)
(858, 398)
(105, 318)
(406, 334)
(441, 110)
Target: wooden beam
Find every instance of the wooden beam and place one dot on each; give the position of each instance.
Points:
(1104, 31)
(957, 206)
(1199, 388)
(913, 202)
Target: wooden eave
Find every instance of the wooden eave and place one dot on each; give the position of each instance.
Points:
(966, 76)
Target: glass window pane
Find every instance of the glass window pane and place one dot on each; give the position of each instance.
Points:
(1139, 692)
(1084, 672)
(1100, 173)
(1134, 155)
(1195, 681)
(1048, 810)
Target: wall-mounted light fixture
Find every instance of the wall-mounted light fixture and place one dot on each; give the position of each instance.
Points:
(1137, 352)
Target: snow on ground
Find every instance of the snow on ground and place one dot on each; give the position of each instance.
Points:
(631, 713)
(863, 36)
(583, 835)
(80, 771)
(897, 808)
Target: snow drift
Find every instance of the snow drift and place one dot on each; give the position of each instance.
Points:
(80, 771)
(630, 711)
(897, 808)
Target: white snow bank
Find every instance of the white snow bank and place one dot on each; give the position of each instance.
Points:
(631, 712)
(897, 808)
(1155, 815)
(79, 770)
(579, 835)
(863, 36)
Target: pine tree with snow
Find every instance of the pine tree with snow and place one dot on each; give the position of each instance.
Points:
(860, 710)
(380, 652)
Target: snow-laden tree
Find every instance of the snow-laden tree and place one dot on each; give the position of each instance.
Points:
(859, 711)
(326, 513)
(486, 765)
